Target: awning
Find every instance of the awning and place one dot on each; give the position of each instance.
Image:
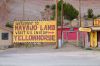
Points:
(85, 29)
(95, 28)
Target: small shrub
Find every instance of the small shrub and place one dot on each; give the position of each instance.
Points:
(90, 13)
(8, 24)
(47, 6)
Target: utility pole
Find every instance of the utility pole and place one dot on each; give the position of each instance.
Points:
(82, 35)
(23, 9)
(56, 23)
(62, 22)
(80, 13)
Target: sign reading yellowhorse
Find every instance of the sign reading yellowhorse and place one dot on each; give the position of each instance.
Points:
(34, 31)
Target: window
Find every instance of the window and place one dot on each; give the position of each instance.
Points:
(4, 36)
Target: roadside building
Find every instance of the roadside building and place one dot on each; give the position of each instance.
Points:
(91, 34)
(5, 37)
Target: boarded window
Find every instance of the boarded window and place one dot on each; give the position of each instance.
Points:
(4, 36)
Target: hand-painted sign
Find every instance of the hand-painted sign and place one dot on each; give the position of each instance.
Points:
(97, 22)
(34, 31)
(85, 29)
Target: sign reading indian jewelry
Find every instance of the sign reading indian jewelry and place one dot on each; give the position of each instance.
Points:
(34, 31)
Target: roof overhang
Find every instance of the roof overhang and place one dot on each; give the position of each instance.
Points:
(95, 28)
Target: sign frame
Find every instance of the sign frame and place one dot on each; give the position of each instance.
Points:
(51, 31)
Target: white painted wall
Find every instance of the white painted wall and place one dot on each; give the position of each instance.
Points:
(5, 42)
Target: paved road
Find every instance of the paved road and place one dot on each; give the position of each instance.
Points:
(52, 57)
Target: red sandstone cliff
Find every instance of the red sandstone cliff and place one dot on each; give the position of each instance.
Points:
(13, 9)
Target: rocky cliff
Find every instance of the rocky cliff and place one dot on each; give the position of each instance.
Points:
(31, 9)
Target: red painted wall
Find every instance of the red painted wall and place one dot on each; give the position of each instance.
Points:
(72, 36)
(67, 34)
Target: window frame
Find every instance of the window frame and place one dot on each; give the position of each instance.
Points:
(4, 36)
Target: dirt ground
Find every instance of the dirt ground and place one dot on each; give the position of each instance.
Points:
(42, 49)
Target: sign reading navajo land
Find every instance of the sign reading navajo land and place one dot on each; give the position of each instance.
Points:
(34, 31)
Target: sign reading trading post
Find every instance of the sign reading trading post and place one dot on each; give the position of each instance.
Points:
(34, 31)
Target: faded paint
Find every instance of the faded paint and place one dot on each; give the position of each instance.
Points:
(72, 36)
(93, 39)
(87, 41)
(68, 35)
